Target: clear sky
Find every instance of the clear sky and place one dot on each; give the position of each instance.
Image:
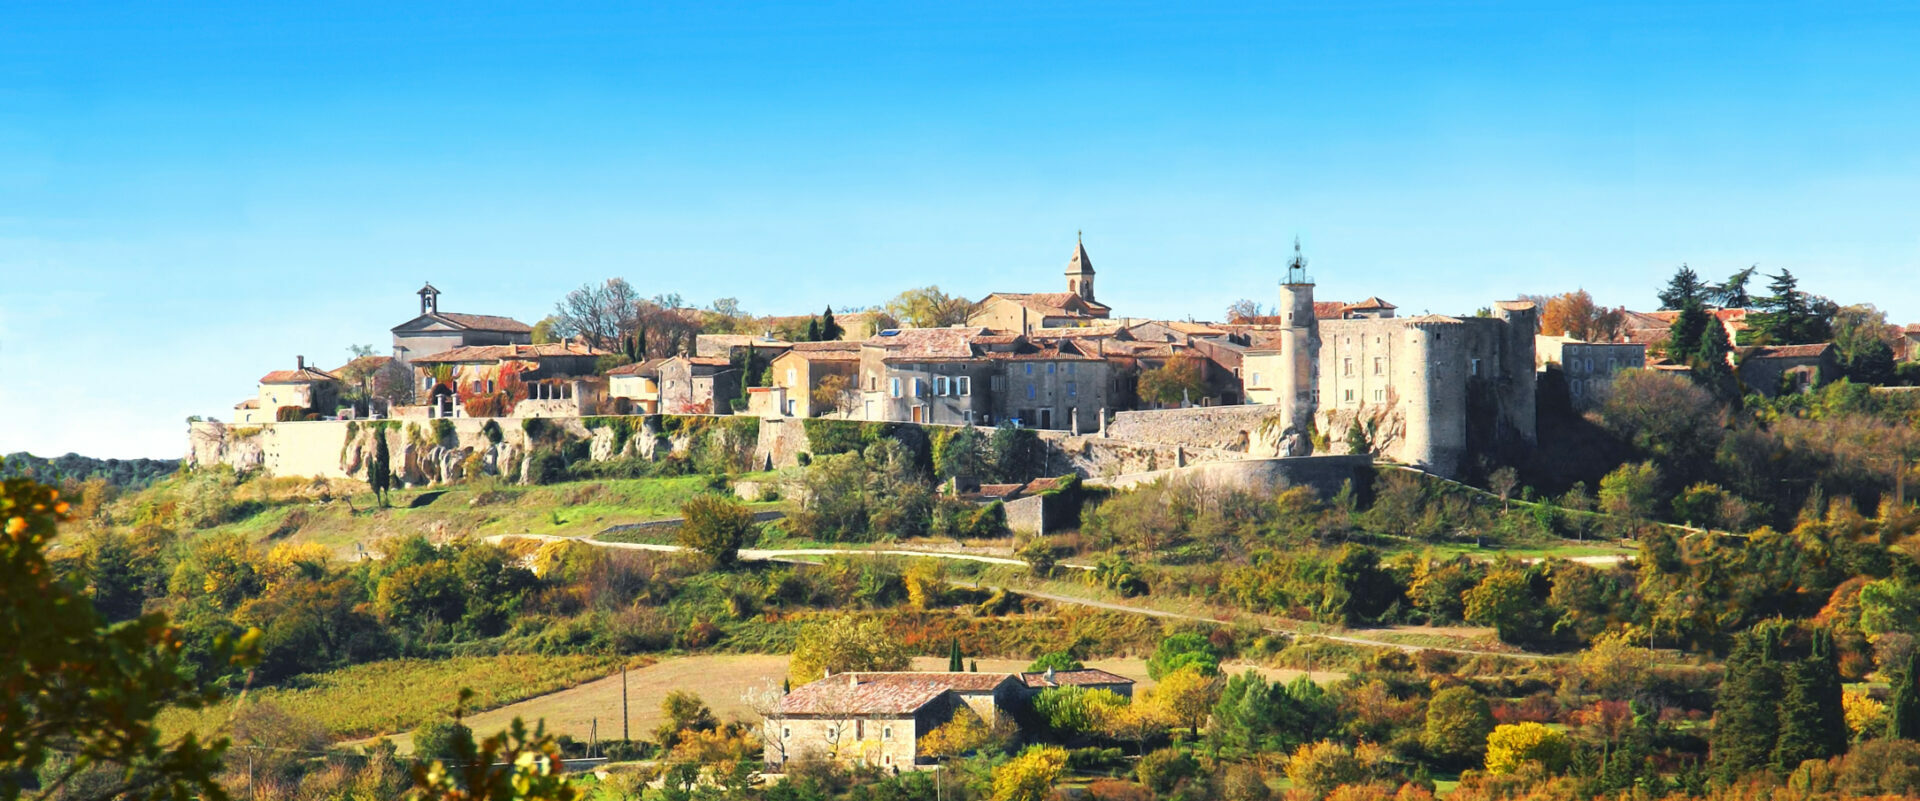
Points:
(192, 194)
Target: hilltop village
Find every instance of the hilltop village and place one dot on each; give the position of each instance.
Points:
(1306, 376)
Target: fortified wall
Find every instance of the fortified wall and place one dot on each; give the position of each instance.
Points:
(1246, 431)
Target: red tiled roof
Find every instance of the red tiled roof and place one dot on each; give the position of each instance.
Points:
(956, 681)
(1057, 304)
(250, 403)
(999, 490)
(927, 343)
(304, 375)
(1083, 677)
(485, 322)
(829, 346)
(1435, 319)
(1786, 351)
(1369, 304)
(1322, 310)
(494, 353)
(840, 695)
(648, 367)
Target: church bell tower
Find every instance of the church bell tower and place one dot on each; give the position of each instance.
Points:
(1080, 271)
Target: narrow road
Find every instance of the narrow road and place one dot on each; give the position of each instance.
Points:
(756, 555)
(775, 554)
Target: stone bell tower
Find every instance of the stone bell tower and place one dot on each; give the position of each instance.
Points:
(1299, 378)
(1080, 271)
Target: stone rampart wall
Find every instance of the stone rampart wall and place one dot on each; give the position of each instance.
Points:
(1325, 474)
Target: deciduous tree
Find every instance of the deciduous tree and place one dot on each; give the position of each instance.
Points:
(843, 644)
(716, 526)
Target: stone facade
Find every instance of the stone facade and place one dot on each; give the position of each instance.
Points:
(1587, 367)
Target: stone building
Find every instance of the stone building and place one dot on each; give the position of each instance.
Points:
(1050, 385)
(1426, 390)
(435, 331)
(1587, 368)
(800, 371)
(1024, 312)
(698, 385)
(638, 384)
(1773, 370)
(879, 718)
(308, 389)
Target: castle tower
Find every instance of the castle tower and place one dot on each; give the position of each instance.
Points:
(1080, 271)
(1518, 392)
(1300, 350)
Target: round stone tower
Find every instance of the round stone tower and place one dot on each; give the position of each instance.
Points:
(1300, 351)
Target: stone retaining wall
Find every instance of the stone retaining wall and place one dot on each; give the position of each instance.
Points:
(1228, 428)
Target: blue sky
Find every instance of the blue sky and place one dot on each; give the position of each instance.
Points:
(192, 194)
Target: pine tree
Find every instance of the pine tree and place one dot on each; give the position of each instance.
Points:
(830, 330)
(1683, 336)
(954, 664)
(1812, 723)
(1746, 718)
(1710, 351)
(1683, 290)
(1903, 714)
(1733, 293)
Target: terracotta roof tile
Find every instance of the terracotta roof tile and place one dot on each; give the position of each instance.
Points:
(927, 343)
(485, 322)
(849, 346)
(899, 693)
(494, 353)
(1370, 303)
(304, 375)
(1786, 351)
(1082, 677)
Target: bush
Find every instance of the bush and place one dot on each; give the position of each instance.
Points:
(289, 414)
(441, 739)
(716, 526)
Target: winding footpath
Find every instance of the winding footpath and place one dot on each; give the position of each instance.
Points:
(797, 555)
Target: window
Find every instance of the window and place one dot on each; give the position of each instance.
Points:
(1379, 365)
(1049, 368)
(940, 385)
(1029, 368)
(1072, 392)
(1379, 396)
(1576, 388)
(873, 382)
(919, 387)
(1346, 367)
(963, 385)
(1349, 397)
(886, 732)
(998, 383)
(785, 732)
(1029, 390)
(886, 759)
(894, 385)
(1069, 368)
(1256, 379)
(1474, 366)
(790, 375)
(1612, 364)
(1589, 365)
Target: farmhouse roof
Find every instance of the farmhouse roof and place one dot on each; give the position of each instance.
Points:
(1370, 304)
(910, 344)
(1067, 678)
(843, 695)
(648, 367)
(1056, 304)
(1786, 351)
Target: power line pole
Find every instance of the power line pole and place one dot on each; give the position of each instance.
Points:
(623, 705)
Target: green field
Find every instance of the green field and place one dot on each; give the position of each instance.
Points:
(395, 696)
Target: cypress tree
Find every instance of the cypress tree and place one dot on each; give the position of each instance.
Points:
(813, 329)
(380, 473)
(954, 665)
(1746, 718)
(830, 330)
(640, 343)
(1903, 714)
(1812, 723)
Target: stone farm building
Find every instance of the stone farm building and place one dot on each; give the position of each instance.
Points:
(878, 718)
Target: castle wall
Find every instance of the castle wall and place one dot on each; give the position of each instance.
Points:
(1325, 474)
(1251, 430)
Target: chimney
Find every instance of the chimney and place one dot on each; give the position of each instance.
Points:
(853, 680)
(1049, 674)
(299, 362)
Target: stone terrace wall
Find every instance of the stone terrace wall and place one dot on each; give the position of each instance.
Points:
(1325, 474)
(1228, 428)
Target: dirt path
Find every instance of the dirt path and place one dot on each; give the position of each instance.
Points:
(763, 554)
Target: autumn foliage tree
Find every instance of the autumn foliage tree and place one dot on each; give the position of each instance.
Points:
(86, 691)
(1575, 314)
(1182, 378)
(716, 526)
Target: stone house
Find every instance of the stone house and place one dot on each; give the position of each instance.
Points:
(1774, 370)
(1907, 347)
(799, 371)
(929, 375)
(698, 385)
(879, 718)
(1587, 367)
(309, 389)
(1053, 385)
(435, 331)
(639, 384)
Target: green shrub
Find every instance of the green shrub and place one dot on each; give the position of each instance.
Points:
(441, 739)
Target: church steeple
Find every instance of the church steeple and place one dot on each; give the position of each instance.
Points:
(429, 299)
(1080, 270)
